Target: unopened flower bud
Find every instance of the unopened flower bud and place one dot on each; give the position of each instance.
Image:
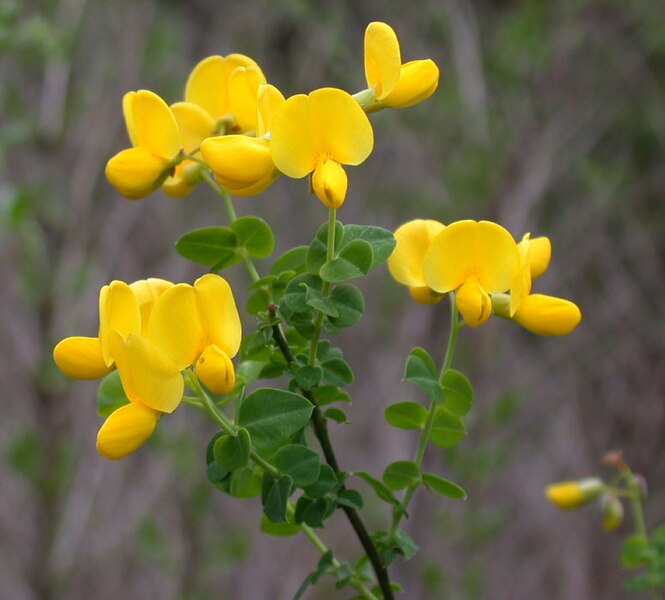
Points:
(612, 512)
(569, 495)
(215, 369)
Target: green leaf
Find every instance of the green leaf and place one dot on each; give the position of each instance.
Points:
(379, 488)
(447, 428)
(401, 474)
(271, 416)
(301, 463)
(209, 245)
(635, 552)
(231, 452)
(308, 377)
(350, 498)
(110, 394)
(458, 392)
(336, 414)
(258, 302)
(337, 372)
(381, 240)
(354, 260)
(295, 294)
(317, 251)
(443, 486)
(349, 303)
(405, 545)
(283, 529)
(245, 482)
(326, 394)
(275, 494)
(313, 512)
(254, 235)
(325, 566)
(291, 260)
(421, 371)
(327, 482)
(318, 301)
(406, 415)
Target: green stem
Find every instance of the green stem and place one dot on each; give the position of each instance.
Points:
(636, 504)
(455, 326)
(330, 254)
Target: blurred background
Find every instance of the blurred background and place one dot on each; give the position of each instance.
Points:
(550, 118)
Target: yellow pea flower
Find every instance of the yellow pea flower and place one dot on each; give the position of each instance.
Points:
(475, 259)
(186, 320)
(569, 495)
(157, 145)
(407, 260)
(243, 165)
(390, 82)
(226, 88)
(317, 134)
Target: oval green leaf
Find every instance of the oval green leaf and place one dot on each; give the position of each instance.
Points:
(301, 463)
(208, 245)
(443, 486)
(254, 235)
(457, 391)
(406, 415)
(354, 260)
(232, 452)
(401, 474)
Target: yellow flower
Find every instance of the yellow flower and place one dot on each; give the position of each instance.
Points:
(226, 88)
(317, 134)
(612, 510)
(569, 495)
(475, 259)
(243, 165)
(187, 320)
(406, 262)
(394, 84)
(156, 140)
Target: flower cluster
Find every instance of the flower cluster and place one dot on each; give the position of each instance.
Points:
(150, 331)
(236, 124)
(486, 268)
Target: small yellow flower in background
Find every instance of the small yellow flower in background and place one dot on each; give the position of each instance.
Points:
(243, 165)
(394, 84)
(318, 134)
(407, 260)
(157, 145)
(569, 495)
(475, 259)
(226, 88)
(612, 512)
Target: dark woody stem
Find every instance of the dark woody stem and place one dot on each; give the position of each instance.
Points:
(320, 426)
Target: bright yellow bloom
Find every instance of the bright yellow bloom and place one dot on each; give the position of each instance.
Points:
(226, 88)
(215, 369)
(243, 165)
(317, 134)
(568, 495)
(394, 84)
(187, 319)
(474, 259)
(406, 262)
(125, 430)
(157, 144)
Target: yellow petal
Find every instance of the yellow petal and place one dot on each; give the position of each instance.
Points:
(483, 251)
(148, 375)
(118, 312)
(218, 313)
(330, 182)
(540, 253)
(81, 358)
(125, 430)
(195, 124)
(208, 83)
(568, 495)
(150, 123)
(146, 292)
(291, 139)
(269, 101)
(425, 295)
(175, 326)
(243, 91)
(548, 315)
(413, 240)
(473, 303)
(136, 172)
(215, 369)
(418, 81)
(340, 128)
(382, 58)
(240, 163)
